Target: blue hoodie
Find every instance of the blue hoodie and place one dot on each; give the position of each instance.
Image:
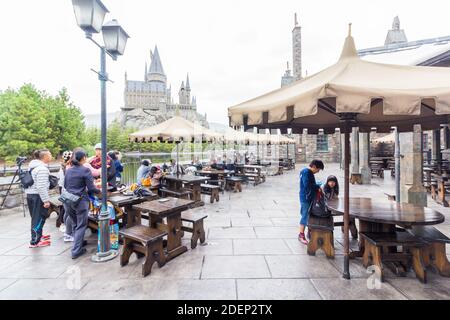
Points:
(308, 186)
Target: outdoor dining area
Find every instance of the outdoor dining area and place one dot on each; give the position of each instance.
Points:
(168, 208)
(350, 94)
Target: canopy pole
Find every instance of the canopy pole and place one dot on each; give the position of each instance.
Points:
(346, 273)
(178, 159)
(397, 166)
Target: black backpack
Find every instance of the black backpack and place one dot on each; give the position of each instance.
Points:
(318, 206)
(26, 179)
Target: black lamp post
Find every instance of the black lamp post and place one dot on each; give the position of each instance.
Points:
(90, 15)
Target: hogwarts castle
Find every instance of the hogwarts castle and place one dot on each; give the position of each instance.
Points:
(150, 102)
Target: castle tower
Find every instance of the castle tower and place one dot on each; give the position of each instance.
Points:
(188, 90)
(156, 75)
(297, 50)
(396, 35)
(287, 79)
(182, 94)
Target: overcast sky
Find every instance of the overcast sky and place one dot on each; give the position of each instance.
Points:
(234, 50)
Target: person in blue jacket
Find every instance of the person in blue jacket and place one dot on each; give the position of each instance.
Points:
(308, 191)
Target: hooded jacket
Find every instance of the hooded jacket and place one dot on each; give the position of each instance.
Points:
(40, 176)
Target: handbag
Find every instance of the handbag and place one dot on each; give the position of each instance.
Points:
(318, 206)
(69, 198)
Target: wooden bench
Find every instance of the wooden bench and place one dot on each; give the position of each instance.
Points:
(321, 236)
(253, 177)
(181, 194)
(143, 241)
(434, 254)
(377, 251)
(212, 191)
(234, 183)
(58, 207)
(197, 230)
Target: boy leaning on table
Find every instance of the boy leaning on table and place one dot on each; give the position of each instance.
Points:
(308, 191)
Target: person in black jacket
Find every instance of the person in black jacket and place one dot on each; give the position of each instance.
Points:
(79, 181)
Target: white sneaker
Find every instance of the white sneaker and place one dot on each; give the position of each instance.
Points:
(62, 228)
(68, 238)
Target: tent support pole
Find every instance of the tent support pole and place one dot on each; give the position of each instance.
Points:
(178, 159)
(346, 273)
(397, 166)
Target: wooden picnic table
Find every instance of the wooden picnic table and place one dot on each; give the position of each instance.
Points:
(193, 182)
(132, 216)
(252, 171)
(170, 210)
(383, 216)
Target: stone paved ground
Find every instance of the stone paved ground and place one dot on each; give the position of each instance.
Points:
(252, 253)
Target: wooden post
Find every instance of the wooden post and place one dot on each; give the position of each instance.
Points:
(346, 273)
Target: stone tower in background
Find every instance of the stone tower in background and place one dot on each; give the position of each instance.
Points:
(297, 50)
(396, 35)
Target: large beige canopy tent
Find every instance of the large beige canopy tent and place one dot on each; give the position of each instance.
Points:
(353, 93)
(176, 130)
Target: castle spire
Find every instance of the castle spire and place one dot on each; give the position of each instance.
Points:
(188, 85)
(156, 65)
(296, 20)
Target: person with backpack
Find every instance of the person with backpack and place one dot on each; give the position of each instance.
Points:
(308, 192)
(38, 199)
(79, 183)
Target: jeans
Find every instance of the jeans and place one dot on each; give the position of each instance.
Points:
(304, 212)
(38, 216)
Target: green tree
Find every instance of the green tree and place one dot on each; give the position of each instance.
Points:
(31, 119)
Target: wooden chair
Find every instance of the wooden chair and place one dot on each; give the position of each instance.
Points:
(197, 230)
(212, 191)
(321, 236)
(435, 253)
(143, 241)
(375, 253)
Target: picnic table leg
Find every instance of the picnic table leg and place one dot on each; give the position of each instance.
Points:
(133, 217)
(440, 259)
(174, 244)
(442, 194)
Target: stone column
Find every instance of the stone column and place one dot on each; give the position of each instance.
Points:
(446, 137)
(354, 148)
(436, 145)
(364, 156)
(412, 190)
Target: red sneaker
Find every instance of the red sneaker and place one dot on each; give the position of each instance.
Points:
(41, 244)
(46, 237)
(302, 238)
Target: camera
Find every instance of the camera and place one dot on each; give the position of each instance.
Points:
(21, 160)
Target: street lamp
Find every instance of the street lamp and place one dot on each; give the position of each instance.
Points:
(90, 15)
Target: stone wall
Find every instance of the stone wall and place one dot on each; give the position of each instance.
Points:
(307, 149)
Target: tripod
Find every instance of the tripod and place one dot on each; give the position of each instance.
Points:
(16, 176)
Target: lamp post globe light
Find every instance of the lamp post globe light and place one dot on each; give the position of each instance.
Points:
(90, 15)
